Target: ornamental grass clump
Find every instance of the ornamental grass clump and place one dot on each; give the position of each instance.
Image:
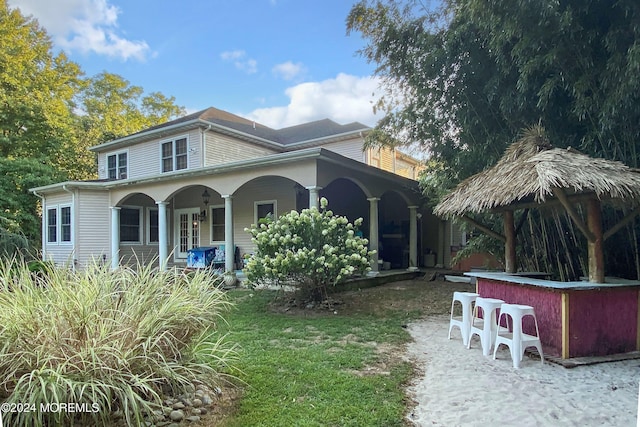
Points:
(83, 346)
(310, 250)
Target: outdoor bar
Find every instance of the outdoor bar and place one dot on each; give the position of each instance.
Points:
(575, 319)
(598, 317)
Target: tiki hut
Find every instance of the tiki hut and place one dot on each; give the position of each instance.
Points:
(533, 173)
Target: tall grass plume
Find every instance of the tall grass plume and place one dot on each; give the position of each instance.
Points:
(105, 342)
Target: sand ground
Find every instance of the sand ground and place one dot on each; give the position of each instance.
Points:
(460, 387)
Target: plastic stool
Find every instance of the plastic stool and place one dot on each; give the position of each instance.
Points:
(487, 326)
(517, 341)
(464, 322)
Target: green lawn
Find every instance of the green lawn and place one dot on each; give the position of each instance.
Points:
(317, 368)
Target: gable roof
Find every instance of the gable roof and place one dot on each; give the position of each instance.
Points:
(225, 121)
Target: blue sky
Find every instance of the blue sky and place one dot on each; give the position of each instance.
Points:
(279, 62)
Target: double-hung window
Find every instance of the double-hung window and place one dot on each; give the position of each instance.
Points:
(130, 225)
(174, 155)
(59, 224)
(117, 166)
(65, 223)
(52, 225)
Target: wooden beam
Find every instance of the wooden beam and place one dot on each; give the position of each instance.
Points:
(510, 243)
(595, 251)
(559, 193)
(624, 221)
(549, 203)
(483, 228)
(565, 326)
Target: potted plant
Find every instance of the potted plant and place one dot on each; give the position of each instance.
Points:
(230, 278)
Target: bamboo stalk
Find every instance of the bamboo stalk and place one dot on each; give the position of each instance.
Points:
(624, 221)
(560, 194)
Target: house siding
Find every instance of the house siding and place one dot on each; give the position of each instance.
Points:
(387, 160)
(144, 159)
(406, 169)
(352, 149)
(92, 226)
(60, 253)
(224, 149)
(269, 188)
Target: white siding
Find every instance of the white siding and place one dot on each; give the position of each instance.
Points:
(60, 253)
(93, 225)
(351, 149)
(224, 149)
(145, 159)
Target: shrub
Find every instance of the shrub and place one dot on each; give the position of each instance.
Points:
(105, 340)
(310, 250)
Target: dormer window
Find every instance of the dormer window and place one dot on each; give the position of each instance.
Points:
(117, 166)
(174, 155)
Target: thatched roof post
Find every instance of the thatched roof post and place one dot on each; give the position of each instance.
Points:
(596, 255)
(509, 243)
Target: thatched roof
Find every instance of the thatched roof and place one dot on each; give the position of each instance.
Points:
(531, 168)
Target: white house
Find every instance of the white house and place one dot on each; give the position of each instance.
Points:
(148, 201)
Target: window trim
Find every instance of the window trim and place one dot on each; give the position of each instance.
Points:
(117, 155)
(140, 226)
(264, 202)
(210, 213)
(57, 226)
(61, 234)
(53, 226)
(174, 159)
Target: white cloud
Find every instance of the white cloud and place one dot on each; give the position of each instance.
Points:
(288, 70)
(343, 99)
(240, 60)
(84, 26)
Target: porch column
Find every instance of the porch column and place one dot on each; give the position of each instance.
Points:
(163, 240)
(413, 238)
(313, 196)
(373, 234)
(229, 246)
(115, 237)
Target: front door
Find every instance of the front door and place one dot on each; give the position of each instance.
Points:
(187, 226)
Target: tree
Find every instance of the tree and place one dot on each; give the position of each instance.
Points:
(36, 97)
(19, 207)
(50, 115)
(464, 80)
(36, 89)
(113, 108)
(110, 108)
(468, 77)
(311, 251)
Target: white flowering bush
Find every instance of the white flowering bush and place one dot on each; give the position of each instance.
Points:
(310, 250)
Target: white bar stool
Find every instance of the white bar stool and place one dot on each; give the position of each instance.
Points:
(466, 299)
(517, 341)
(487, 326)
